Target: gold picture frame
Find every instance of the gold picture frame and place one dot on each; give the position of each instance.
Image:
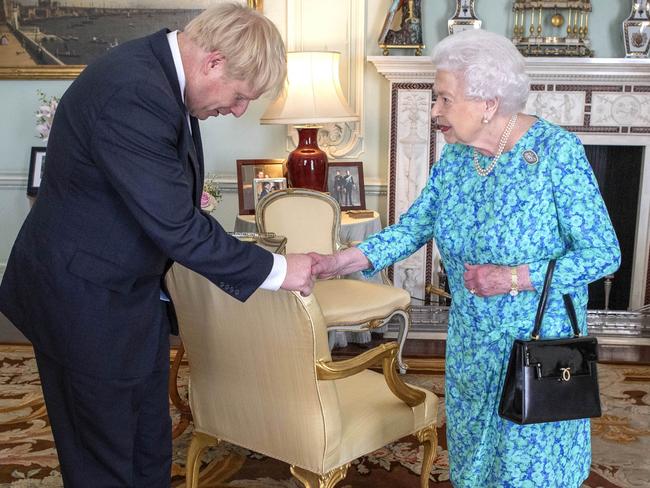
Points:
(30, 52)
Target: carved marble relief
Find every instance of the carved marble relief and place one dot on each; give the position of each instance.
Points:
(626, 109)
(412, 155)
(562, 108)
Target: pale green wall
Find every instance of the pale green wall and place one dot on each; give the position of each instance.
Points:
(228, 139)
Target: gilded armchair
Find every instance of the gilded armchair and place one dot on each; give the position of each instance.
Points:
(261, 377)
(311, 221)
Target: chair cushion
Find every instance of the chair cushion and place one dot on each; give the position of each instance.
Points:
(371, 417)
(347, 302)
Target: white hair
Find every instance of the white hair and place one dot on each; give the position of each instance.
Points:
(490, 66)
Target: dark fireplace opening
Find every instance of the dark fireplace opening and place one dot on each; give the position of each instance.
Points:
(618, 171)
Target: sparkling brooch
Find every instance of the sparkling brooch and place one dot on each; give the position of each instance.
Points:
(530, 156)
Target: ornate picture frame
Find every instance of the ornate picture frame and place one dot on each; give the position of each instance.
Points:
(251, 169)
(345, 184)
(56, 42)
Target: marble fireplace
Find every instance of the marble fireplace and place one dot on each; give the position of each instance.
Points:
(606, 102)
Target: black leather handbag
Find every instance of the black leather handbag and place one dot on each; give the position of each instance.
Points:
(549, 380)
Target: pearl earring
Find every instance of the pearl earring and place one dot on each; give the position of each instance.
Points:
(485, 120)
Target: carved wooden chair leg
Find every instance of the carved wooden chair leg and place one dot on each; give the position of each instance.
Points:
(404, 327)
(429, 437)
(200, 442)
(175, 397)
(313, 480)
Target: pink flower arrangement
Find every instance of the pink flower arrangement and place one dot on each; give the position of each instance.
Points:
(211, 194)
(208, 202)
(45, 115)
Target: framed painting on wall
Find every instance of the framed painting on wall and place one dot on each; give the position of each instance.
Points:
(55, 41)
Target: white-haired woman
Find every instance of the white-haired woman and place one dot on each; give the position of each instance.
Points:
(510, 192)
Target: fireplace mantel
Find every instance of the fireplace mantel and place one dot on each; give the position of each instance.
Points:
(604, 101)
(422, 69)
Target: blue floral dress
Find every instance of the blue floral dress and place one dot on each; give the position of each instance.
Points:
(540, 202)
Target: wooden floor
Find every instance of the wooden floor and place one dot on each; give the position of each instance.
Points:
(428, 349)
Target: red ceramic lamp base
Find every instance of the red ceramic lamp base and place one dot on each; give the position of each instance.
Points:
(307, 164)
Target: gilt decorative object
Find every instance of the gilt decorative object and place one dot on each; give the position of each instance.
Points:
(636, 30)
(539, 27)
(408, 33)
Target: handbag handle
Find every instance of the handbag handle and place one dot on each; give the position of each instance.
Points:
(541, 307)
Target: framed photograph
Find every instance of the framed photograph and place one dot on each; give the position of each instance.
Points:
(265, 186)
(55, 40)
(345, 184)
(250, 169)
(36, 167)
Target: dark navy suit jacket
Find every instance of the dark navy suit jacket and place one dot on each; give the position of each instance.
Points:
(118, 203)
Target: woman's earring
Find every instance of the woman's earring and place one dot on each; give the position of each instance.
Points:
(485, 120)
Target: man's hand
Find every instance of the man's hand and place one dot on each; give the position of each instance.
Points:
(299, 277)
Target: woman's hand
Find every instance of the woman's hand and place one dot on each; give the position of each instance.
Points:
(323, 265)
(486, 280)
(342, 263)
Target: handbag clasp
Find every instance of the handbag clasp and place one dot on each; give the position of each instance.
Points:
(566, 374)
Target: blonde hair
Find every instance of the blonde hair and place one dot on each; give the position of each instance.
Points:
(251, 44)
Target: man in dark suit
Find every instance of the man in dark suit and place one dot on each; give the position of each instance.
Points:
(350, 186)
(119, 202)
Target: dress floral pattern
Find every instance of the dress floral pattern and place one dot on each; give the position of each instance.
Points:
(540, 202)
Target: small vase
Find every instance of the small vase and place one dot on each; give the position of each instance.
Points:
(636, 30)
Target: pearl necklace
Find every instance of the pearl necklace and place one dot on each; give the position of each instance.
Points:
(502, 144)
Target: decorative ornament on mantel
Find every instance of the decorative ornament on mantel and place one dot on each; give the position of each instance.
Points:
(538, 27)
(636, 30)
(406, 35)
(464, 18)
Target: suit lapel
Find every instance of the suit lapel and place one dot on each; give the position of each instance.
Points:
(160, 47)
(196, 155)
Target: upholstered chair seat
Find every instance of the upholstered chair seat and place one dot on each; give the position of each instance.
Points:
(261, 377)
(347, 302)
(311, 221)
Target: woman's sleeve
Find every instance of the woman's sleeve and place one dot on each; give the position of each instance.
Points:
(414, 229)
(592, 249)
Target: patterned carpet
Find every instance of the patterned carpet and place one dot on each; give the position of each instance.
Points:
(621, 439)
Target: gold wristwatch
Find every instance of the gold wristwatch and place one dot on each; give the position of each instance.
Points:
(514, 282)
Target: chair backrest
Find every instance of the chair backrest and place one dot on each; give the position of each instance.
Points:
(252, 369)
(310, 220)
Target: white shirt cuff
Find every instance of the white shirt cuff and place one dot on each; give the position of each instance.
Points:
(277, 275)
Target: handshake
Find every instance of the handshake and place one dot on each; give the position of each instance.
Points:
(304, 269)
